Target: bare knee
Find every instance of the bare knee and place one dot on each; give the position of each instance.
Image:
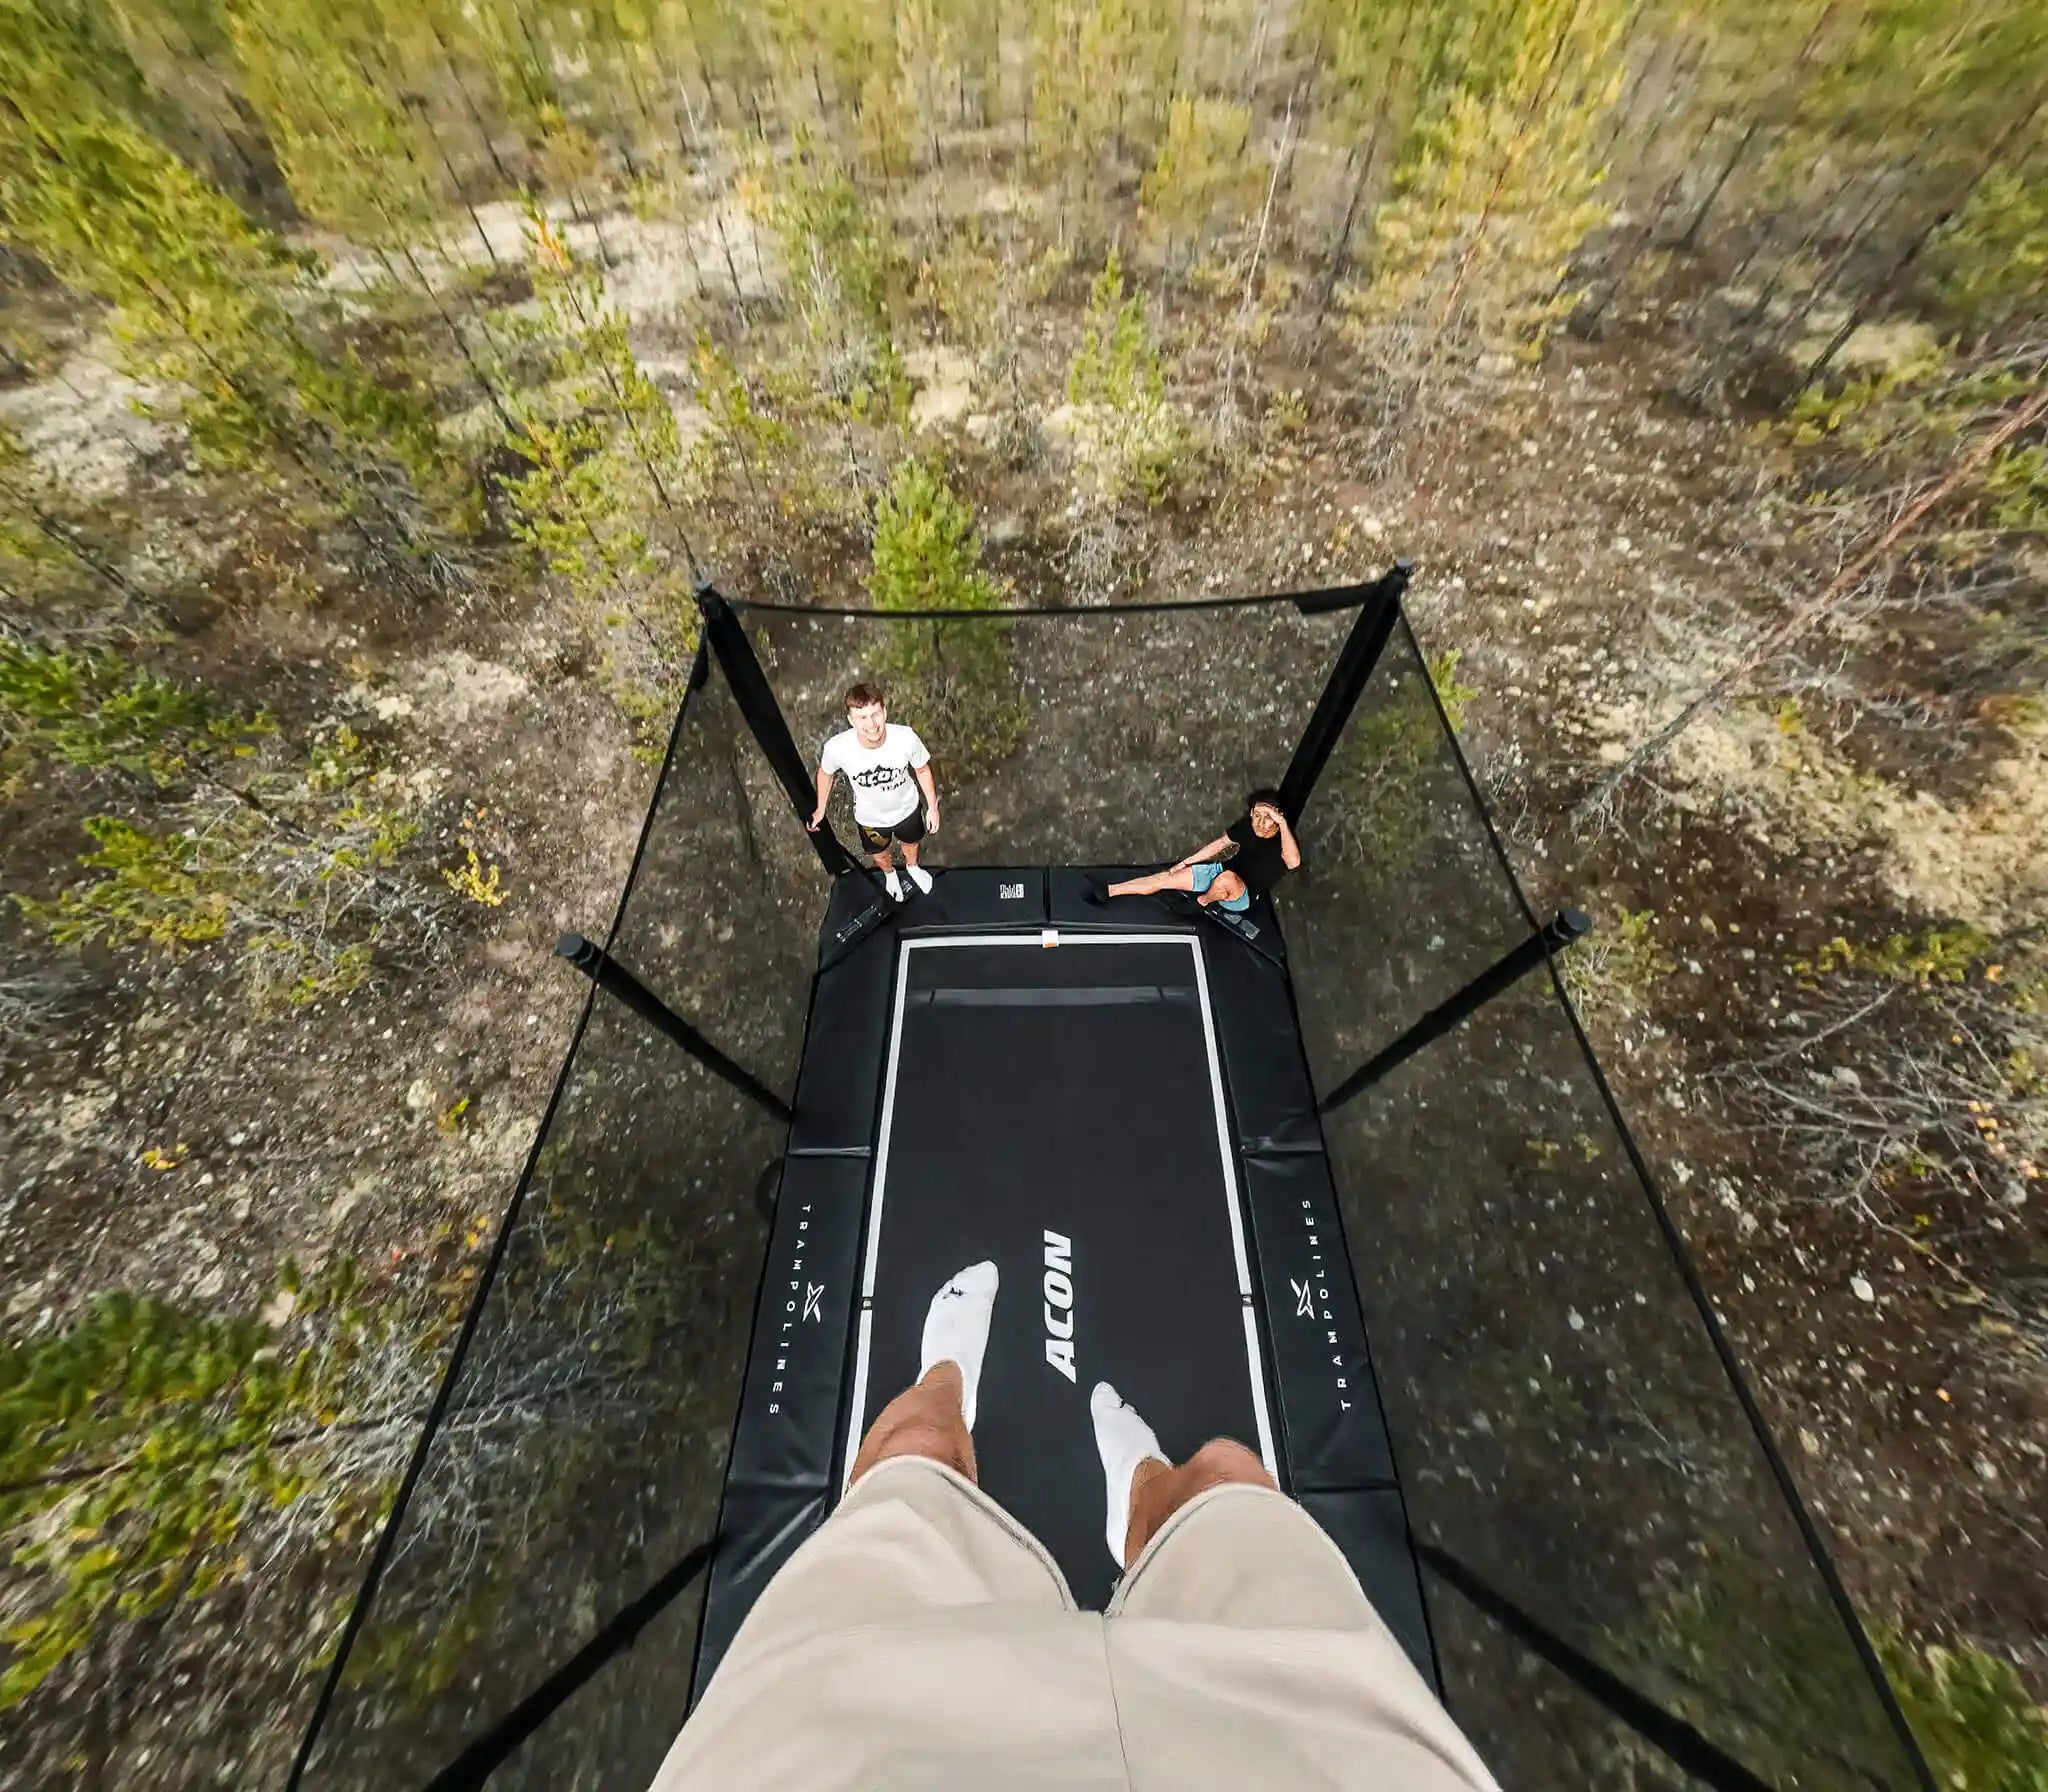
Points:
(919, 1438)
(947, 1444)
(1223, 1461)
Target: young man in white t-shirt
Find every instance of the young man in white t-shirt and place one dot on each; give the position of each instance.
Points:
(887, 765)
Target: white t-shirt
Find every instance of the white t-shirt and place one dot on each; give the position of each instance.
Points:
(884, 792)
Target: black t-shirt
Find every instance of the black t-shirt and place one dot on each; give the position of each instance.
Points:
(1257, 859)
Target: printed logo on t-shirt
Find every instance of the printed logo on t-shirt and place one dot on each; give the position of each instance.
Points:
(882, 777)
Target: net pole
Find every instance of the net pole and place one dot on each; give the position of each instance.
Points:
(1674, 1738)
(1346, 684)
(1567, 926)
(490, 1751)
(756, 699)
(604, 970)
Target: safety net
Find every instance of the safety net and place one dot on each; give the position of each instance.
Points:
(1621, 1587)
(1575, 1445)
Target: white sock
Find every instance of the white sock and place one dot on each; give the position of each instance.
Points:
(956, 1330)
(920, 877)
(893, 884)
(1123, 1440)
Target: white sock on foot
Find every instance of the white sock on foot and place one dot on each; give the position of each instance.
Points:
(1123, 1440)
(893, 884)
(956, 1330)
(920, 877)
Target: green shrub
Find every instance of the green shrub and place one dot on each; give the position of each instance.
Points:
(141, 1446)
(96, 710)
(1618, 966)
(927, 555)
(1940, 955)
(1730, 1620)
(1202, 171)
(953, 679)
(293, 871)
(1129, 443)
(1981, 1730)
(605, 475)
(841, 271)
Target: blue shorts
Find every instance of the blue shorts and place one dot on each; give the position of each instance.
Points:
(1207, 874)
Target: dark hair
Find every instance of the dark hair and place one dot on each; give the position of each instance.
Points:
(859, 696)
(1263, 795)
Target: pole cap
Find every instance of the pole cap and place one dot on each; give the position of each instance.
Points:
(576, 949)
(1572, 924)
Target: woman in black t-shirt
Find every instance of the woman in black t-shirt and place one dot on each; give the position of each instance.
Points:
(1260, 848)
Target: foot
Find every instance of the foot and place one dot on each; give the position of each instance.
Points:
(920, 877)
(1095, 893)
(893, 884)
(1123, 1440)
(956, 1330)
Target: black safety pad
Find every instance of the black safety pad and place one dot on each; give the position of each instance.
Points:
(760, 1530)
(838, 1085)
(1059, 1120)
(1373, 1534)
(1255, 928)
(1329, 1405)
(779, 1481)
(857, 902)
(789, 1409)
(977, 896)
(1270, 1091)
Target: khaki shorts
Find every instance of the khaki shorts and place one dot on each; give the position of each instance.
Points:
(922, 1637)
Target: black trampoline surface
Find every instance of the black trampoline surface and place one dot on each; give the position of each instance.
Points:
(1113, 1105)
(1059, 1110)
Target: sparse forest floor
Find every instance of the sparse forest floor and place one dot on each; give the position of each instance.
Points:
(1818, 978)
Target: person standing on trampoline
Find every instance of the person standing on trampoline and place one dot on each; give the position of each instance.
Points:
(1260, 850)
(922, 1637)
(887, 765)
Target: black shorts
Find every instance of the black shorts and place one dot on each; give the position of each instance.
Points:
(910, 830)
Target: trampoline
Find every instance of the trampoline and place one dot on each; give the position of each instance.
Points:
(1236, 1165)
(1111, 1104)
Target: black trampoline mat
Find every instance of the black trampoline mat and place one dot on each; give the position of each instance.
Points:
(1070, 1091)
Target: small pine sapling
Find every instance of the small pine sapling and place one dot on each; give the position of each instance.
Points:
(1130, 443)
(1202, 178)
(604, 458)
(95, 710)
(956, 676)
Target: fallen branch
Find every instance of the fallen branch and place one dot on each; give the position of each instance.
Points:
(1838, 589)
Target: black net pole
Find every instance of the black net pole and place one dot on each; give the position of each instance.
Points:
(1347, 681)
(490, 1751)
(756, 699)
(1509, 969)
(1677, 1740)
(605, 971)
